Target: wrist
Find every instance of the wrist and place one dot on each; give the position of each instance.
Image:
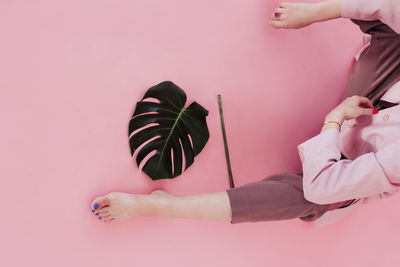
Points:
(330, 125)
(335, 116)
(332, 121)
(313, 12)
(327, 10)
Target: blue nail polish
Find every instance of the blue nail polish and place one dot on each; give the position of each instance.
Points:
(92, 210)
(99, 218)
(96, 206)
(97, 214)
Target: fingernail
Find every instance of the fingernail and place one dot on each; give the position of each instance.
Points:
(92, 210)
(375, 111)
(97, 214)
(96, 206)
(99, 218)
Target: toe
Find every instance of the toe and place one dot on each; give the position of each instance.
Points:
(109, 219)
(104, 202)
(102, 213)
(105, 218)
(100, 202)
(95, 203)
(103, 209)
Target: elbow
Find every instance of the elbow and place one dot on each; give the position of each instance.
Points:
(314, 194)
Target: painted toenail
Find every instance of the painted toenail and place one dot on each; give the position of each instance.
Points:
(99, 218)
(92, 210)
(97, 214)
(96, 206)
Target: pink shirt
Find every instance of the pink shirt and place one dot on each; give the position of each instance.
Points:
(387, 11)
(371, 144)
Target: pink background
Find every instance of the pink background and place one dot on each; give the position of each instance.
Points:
(70, 75)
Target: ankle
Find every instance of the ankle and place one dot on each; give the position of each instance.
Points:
(159, 204)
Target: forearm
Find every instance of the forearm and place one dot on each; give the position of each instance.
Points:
(326, 10)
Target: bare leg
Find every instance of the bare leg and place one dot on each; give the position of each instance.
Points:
(298, 15)
(122, 206)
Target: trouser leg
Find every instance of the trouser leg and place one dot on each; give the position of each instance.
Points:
(378, 67)
(278, 197)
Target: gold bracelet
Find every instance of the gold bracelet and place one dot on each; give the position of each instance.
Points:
(333, 122)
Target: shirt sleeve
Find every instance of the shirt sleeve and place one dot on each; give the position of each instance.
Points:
(327, 179)
(387, 11)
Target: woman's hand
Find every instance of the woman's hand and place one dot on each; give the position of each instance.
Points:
(291, 15)
(351, 108)
(294, 15)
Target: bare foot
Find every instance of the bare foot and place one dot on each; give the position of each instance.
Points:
(293, 15)
(117, 207)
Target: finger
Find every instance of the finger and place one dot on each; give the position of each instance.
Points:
(274, 17)
(366, 111)
(277, 14)
(284, 4)
(365, 102)
(279, 10)
(278, 24)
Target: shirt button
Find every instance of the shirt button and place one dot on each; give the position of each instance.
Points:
(386, 117)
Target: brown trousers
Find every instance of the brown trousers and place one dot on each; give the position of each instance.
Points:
(280, 196)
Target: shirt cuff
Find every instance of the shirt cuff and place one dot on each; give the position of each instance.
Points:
(327, 140)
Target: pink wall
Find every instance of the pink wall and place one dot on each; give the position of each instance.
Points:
(70, 75)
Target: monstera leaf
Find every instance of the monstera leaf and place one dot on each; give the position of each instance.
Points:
(174, 132)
